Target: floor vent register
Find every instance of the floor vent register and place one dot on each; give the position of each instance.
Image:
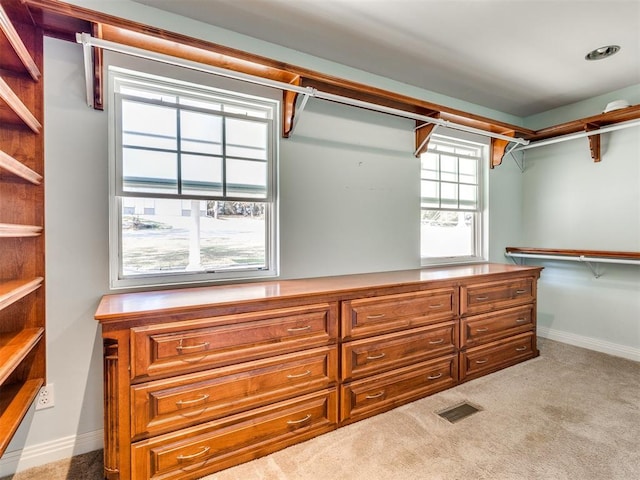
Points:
(458, 412)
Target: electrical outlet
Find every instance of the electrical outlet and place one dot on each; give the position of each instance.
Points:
(45, 397)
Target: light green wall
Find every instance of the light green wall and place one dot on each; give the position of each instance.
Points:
(354, 171)
(584, 109)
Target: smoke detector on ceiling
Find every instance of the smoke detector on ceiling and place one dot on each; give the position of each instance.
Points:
(616, 105)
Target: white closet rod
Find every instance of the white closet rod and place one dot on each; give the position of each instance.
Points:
(576, 258)
(572, 136)
(88, 41)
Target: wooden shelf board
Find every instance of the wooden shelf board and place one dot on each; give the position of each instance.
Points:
(15, 401)
(18, 45)
(14, 347)
(13, 290)
(14, 231)
(7, 162)
(575, 126)
(574, 253)
(19, 108)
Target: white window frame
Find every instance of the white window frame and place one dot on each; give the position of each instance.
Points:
(116, 76)
(481, 244)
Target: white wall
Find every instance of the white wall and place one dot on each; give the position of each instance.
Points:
(570, 202)
(350, 193)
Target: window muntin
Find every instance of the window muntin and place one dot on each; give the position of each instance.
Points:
(451, 201)
(193, 190)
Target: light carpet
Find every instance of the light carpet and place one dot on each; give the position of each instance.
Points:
(570, 414)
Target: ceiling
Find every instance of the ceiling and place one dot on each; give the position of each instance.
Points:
(517, 56)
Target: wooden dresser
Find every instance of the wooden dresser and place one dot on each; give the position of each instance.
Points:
(199, 379)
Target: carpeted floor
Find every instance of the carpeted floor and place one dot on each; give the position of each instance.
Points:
(569, 414)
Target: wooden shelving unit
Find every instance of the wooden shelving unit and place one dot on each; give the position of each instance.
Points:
(15, 231)
(22, 300)
(10, 164)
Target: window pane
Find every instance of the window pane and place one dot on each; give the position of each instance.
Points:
(149, 126)
(246, 139)
(149, 171)
(447, 234)
(191, 236)
(449, 195)
(246, 178)
(448, 168)
(430, 194)
(200, 133)
(242, 110)
(430, 167)
(143, 93)
(201, 175)
(192, 102)
(468, 196)
(468, 171)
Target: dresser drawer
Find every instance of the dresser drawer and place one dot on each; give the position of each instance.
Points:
(165, 405)
(382, 314)
(213, 446)
(180, 347)
(373, 395)
(492, 326)
(486, 297)
(385, 352)
(479, 361)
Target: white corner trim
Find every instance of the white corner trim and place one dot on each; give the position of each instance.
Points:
(596, 344)
(43, 453)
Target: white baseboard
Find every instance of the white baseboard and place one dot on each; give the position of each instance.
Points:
(590, 343)
(43, 453)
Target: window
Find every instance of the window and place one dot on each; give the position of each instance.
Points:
(451, 201)
(193, 182)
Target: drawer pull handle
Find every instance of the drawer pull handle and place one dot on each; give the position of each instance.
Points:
(483, 329)
(375, 395)
(376, 357)
(436, 342)
(520, 291)
(482, 298)
(302, 420)
(373, 317)
(299, 329)
(181, 348)
(182, 403)
(437, 305)
(202, 452)
(521, 349)
(434, 377)
(480, 362)
(521, 320)
(299, 375)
